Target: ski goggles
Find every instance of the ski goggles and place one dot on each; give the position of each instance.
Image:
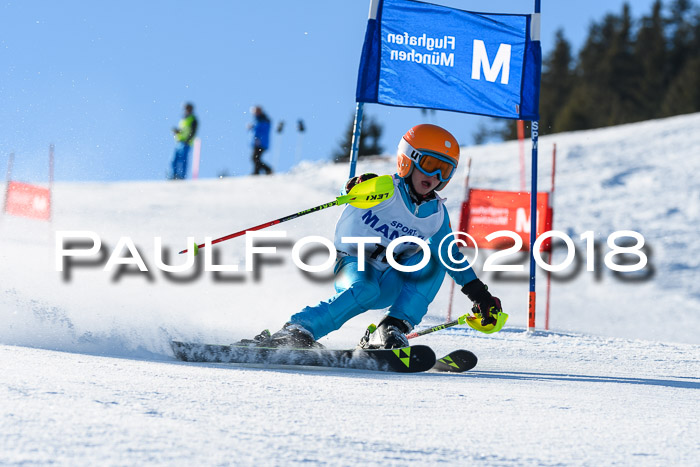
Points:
(429, 163)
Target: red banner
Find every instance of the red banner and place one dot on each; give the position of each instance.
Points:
(488, 211)
(28, 201)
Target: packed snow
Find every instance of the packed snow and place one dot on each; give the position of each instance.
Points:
(88, 377)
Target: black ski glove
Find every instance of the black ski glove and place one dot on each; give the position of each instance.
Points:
(359, 179)
(485, 304)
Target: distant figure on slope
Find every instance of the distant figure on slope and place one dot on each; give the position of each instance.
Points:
(427, 159)
(261, 139)
(184, 136)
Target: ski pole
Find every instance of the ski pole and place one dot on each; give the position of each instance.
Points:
(363, 195)
(474, 322)
(461, 320)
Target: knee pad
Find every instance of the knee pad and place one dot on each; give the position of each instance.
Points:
(365, 293)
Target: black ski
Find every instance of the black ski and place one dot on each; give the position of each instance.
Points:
(456, 361)
(411, 359)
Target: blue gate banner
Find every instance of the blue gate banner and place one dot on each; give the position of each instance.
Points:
(423, 55)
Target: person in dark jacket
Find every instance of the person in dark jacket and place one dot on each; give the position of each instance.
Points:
(261, 140)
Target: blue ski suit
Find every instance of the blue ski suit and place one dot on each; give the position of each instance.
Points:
(407, 294)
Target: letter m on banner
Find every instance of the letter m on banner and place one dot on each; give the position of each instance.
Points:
(422, 55)
(488, 211)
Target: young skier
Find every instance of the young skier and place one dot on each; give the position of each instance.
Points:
(427, 159)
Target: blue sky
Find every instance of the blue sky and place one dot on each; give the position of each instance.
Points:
(105, 81)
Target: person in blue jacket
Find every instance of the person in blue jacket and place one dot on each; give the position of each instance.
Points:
(261, 139)
(427, 159)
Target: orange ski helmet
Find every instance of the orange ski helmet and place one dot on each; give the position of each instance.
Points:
(432, 150)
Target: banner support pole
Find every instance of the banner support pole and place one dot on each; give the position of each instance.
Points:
(551, 223)
(534, 133)
(521, 151)
(533, 227)
(196, 151)
(466, 197)
(356, 132)
(8, 178)
(51, 168)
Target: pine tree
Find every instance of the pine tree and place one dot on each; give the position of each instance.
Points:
(607, 77)
(681, 35)
(650, 53)
(370, 134)
(590, 98)
(556, 84)
(624, 72)
(683, 95)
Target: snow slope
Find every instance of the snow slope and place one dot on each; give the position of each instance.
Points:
(552, 399)
(87, 376)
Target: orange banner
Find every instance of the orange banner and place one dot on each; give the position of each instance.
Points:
(488, 211)
(28, 201)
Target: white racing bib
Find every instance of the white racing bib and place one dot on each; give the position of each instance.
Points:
(388, 220)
